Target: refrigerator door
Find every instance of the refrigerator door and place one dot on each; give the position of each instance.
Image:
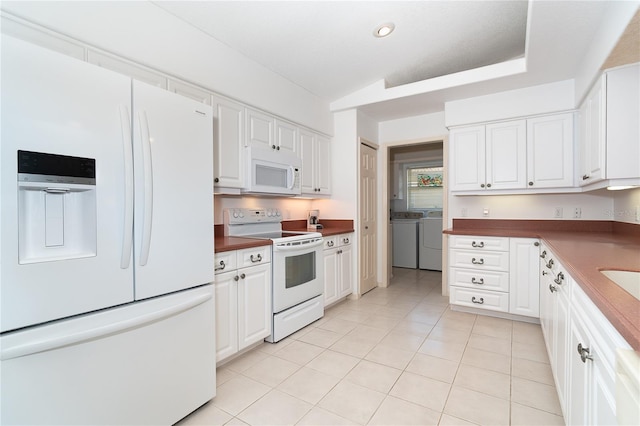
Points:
(64, 247)
(173, 152)
(144, 363)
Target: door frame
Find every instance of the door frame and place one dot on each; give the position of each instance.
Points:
(384, 206)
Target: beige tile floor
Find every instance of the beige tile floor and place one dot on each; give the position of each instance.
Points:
(397, 356)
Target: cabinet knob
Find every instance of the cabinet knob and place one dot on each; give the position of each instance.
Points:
(236, 278)
(530, 183)
(488, 185)
(339, 251)
(277, 148)
(216, 180)
(482, 185)
(243, 276)
(273, 147)
(584, 353)
(536, 244)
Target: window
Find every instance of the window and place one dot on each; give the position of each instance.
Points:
(424, 187)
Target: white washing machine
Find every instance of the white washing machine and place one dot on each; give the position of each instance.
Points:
(430, 240)
(405, 239)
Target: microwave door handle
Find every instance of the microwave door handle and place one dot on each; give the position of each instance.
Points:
(292, 178)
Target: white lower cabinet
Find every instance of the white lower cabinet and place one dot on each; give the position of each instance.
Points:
(494, 274)
(243, 299)
(338, 267)
(581, 344)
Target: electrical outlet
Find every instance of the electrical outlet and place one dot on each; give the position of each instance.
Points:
(577, 213)
(463, 212)
(485, 211)
(557, 212)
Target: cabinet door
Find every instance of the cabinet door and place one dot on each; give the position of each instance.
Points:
(579, 373)
(260, 130)
(323, 167)
(467, 158)
(254, 304)
(228, 136)
(550, 151)
(346, 271)
(330, 276)
(592, 138)
(524, 294)
(226, 315)
(562, 349)
(286, 137)
(309, 162)
(623, 132)
(506, 155)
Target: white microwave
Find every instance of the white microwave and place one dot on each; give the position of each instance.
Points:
(272, 172)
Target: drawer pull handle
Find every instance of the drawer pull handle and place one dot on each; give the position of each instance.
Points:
(473, 244)
(479, 302)
(584, 353)
(559, 279)
(221, 267)
(474, 281)
(330, 243)
(477, 262)
(552, 288)
(543, 254)
(550, 263)
(345, 241)
(257, 259)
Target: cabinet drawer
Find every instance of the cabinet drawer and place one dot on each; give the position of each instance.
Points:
(484, 280)
(345, 239)
(491, 260)
(470, 242)
(254, 256)
(224, 261)
(331, 242)
(482, 299)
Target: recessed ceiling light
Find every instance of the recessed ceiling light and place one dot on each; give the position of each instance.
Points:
(384, 30)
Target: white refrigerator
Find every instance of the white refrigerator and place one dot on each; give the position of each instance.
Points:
(106, 252)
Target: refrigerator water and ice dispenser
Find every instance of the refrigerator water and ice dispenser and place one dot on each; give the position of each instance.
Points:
(56, 207)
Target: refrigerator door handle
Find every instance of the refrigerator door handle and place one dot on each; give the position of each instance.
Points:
(74, 338)
(127, 231)
(148, 187)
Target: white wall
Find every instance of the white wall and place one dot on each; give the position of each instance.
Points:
(416, 128)
(626, 205)
(596, 205)
(367, 128)
(541, 99)
(146, 34)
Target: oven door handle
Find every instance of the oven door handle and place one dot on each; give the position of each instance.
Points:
(314, 244)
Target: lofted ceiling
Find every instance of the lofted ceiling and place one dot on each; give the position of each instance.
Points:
(439, 51)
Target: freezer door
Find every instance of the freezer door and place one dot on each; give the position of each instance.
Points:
(63, 246)
(173, 164)
(147, 363)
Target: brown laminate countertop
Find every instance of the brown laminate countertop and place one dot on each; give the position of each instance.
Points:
(584, 250)
(224, 243)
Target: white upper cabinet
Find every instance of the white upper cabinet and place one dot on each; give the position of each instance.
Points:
(489, 157)
(506, 155)
(467, 147)
(286, 137)
(228, 143)
(260, 129)
(591, 146)
(550, 151)
(315, 153)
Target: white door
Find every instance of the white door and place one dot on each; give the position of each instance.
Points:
(173, 165)
(368, 222)
(286, 137)
(260, 130)
(467, 159)
(550, 151)
(55, 104)
(506, 155)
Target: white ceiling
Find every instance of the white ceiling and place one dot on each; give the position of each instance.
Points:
(327, 47)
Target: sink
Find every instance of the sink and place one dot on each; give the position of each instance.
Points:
(628, 280)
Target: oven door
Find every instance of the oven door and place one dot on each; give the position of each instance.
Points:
(298, 274)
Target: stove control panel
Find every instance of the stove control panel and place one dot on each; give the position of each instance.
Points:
(243, 215)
